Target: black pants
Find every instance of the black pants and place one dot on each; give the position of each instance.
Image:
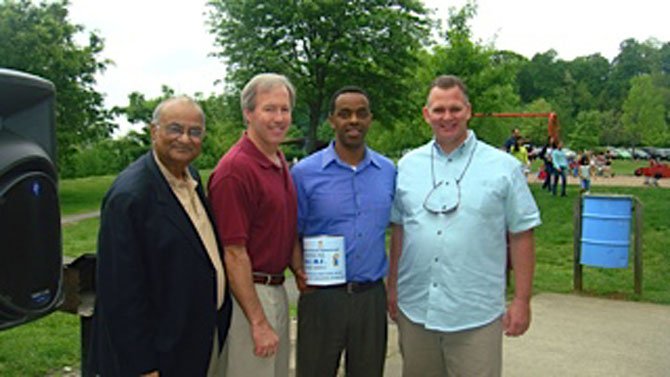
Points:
(547, 179)
(332, 320)
(562, 174)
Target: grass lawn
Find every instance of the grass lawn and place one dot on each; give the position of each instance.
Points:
(554, 246)
(48, 345)
(82, 195)
(619, 167)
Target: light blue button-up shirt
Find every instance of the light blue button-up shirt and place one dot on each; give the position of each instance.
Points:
(335, 198)
(451, 273)
(559, 159)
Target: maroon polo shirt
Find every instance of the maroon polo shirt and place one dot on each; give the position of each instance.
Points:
(255, 205)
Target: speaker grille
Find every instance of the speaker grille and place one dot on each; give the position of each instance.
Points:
(30, 247)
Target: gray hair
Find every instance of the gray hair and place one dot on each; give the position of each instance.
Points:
(447, 82)
(263, 82)
(155, 118)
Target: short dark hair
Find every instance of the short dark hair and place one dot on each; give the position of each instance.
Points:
(344, 90)
(448, 82)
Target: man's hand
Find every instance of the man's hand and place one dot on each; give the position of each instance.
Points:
(300, 280)
(517, 318)
(266, 341)
(151, 374)
(392, 277)
(392, 302)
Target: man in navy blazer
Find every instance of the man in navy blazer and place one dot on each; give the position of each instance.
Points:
(162, 303)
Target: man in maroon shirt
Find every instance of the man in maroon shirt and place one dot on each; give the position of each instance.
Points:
(254, 203)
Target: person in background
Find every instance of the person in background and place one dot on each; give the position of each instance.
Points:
(520, 152)
(254, 202)
(346, 189)
(585, 173)
(162, 306)
(457, 201)
(560, 167)
(545, 155)
(652, 180)
(509, 143)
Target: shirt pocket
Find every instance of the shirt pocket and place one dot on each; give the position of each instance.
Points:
(486, 198)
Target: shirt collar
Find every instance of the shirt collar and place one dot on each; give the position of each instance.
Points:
(171, 179)
(330, 156)
(462, 150)
(248, 146)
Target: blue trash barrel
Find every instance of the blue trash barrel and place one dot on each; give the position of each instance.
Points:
(606, 231)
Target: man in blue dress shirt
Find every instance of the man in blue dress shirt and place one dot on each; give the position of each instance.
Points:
(345, 190)
(457, 199)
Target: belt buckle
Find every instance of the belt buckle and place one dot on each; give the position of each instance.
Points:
(268, 279)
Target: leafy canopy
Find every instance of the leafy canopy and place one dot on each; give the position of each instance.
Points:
(39, 39)
(322, 45)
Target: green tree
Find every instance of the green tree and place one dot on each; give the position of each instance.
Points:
(586, 131)
(590, 75)
(541, 77)
(644, 113)
(488, 73)
(536, 129)
(322, 45)
(39, 39)
(634, 59)
(222, 131)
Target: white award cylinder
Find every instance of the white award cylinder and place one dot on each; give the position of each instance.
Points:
(325, 260)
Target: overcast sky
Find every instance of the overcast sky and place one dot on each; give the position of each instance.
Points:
(156, 42)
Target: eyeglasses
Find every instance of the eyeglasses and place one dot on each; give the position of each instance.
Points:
(445, 196)
(176, 130)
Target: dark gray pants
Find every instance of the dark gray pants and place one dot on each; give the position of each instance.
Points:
(332, 320)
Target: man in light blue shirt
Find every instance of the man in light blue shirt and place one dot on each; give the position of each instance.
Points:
(345, 190)
(457, 200)
(560, 162)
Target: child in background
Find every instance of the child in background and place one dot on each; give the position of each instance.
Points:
(585, 173)
(519, 151)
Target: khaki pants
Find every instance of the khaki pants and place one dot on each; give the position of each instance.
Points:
(241, 359)
(217, 362)
(469, 353)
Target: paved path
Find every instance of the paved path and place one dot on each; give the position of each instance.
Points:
(70, 219)
(574, 335)
(616, 181)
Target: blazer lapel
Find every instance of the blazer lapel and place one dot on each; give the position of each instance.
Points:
(173, 210)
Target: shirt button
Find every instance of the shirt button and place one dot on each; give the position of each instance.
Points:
(449, 159)
(360, 234)
(439, 232)
(436, 259)
(434, 285)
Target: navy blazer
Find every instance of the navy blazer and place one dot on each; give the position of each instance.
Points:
(156, 286)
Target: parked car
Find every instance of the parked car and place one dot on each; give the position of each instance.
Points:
(657, 171)
(639, 154)
(653, 152)
(623, 154)
(664, 153)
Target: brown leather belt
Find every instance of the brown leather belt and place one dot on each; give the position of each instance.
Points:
(351, 287)
(268, 279)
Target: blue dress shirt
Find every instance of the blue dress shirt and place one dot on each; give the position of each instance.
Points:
(335, 198)
(559, 159)
(451, 273)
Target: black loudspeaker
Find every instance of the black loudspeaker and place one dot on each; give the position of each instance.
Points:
(30, 233)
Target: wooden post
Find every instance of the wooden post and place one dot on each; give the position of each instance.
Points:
(637, 268)
(577, 246)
